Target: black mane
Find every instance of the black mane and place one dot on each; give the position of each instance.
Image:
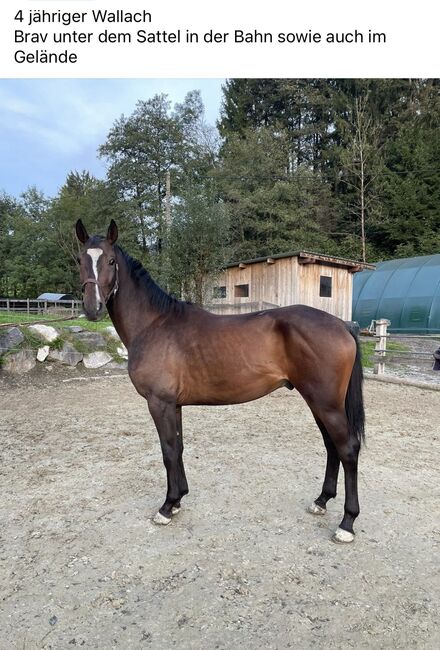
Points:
(157, 297)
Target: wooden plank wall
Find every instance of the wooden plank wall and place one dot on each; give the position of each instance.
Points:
(286, 282)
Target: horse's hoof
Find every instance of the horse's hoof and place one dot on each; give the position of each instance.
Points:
(175, 510)
(161, 520)
(314, 509)
(342, 536)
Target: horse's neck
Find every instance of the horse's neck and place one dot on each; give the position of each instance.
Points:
(129, 308)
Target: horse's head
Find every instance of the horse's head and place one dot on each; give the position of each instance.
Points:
(98, 269)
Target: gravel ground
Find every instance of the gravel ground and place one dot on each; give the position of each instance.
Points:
(243, 564)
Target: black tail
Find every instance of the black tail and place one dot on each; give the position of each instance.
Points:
(354, 401)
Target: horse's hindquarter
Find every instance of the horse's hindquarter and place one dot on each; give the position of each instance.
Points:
(320, 350)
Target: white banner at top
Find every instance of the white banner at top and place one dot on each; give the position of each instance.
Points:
(191, 38)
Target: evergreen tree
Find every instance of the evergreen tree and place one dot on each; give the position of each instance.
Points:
(197, 242)
(272, 208)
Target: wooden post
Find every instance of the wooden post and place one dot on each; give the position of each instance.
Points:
(381, 346)
(73, 308)
(27, 305)
(7, 304)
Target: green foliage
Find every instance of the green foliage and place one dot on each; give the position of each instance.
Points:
(273, 209)
(349, 167)
(31, 340)
(197, 242)
(371, 147)
(142, 151)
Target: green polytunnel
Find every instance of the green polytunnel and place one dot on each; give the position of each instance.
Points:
(405, 291)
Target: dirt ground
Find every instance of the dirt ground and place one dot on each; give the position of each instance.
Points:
(243, 564)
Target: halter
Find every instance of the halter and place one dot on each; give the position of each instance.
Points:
(112, 291)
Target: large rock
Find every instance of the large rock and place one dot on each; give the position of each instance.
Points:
(10, 339)
(92, 340)
(43, 353)
(110, 331)
(68, 356)
(74, 328)
(96, 359)
(115, 365)
(46, 332)
(122, 351)
(20, 362)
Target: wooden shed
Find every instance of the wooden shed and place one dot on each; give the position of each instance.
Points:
(301, 277)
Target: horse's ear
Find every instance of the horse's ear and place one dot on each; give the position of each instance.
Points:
(112, 232)
(81, 232)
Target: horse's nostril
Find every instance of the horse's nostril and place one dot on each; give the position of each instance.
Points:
(100, 308)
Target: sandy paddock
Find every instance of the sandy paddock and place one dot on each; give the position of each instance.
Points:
(243, 564)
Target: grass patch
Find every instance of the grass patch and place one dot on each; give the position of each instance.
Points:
(57, 344)
(31, 339)
(24, 319)
(368, 348)
(112, 348)
(84, 347)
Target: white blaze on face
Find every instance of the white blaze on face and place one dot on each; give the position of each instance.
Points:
(95, 254)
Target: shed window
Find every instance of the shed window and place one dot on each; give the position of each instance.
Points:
(325, 286)
(241, 291)
(219, 292)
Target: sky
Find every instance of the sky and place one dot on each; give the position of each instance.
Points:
(49, 127)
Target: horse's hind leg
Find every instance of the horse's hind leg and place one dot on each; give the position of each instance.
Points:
(347, 447)
(329, 487)
(183, 484)
(164, 416)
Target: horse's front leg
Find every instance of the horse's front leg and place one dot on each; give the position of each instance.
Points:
(183, 484)
(165, 418)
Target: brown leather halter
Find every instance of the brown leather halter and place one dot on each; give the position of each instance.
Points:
(112, 291)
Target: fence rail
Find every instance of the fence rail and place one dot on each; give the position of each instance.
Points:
(419, 358)
(30, 306)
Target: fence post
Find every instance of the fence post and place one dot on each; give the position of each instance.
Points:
(27, 305)
(7, 304)
(73, 308)
(381, 346)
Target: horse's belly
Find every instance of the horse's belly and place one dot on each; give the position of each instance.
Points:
(231, 392)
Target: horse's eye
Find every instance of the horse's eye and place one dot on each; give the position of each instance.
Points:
(111, 261)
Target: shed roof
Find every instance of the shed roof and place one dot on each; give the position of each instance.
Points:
(54, 297)
(307, 257)
(405, 291)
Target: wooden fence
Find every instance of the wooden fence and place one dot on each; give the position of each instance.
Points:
(32, 306)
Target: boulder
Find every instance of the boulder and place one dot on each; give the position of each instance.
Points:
(93, 340)
(43, 353)
(67, 355)
(122, 351)
(20, 362)
(10, 339)
(74, 329)
(46, 332)
(115, 365)
(110, 331)
(96, 359)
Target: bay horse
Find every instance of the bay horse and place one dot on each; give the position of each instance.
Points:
(179, 355)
